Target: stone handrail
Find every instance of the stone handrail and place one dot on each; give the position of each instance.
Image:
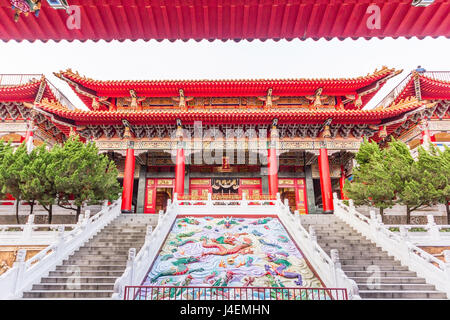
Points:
(328, 268)
(427, 266)
(138, 265)
(432, 234)
(221, 207)
(24, 274)
(32, 234)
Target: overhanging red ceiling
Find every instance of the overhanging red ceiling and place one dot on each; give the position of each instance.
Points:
(228, 19)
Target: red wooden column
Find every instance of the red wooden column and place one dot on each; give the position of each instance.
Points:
(180, 163)
(128, 175)
(325, 181)
(342, 183)
(272, 162)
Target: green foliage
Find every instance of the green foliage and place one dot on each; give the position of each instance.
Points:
(427, 181)
(371, 183)
(74, 170)
(80, 172)
(391, 176)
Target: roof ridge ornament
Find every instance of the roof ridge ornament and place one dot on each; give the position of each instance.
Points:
(268, 99)
(182, 100)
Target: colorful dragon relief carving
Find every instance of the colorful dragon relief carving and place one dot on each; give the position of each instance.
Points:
(233, 252)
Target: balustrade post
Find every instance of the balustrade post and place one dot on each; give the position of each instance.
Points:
(160, 217)
(130, 264)
(209, 201)
(175, 197)
(87, 214)
(297, 217)
(374, 223)
(286, 205)
(80, 220)
(336, 267)
(433, 229)
(60, 239)
(312, 234)
(447, 263)
(20, 266)
(244, 199)
(148, 237)
(105, 205)
(28, 228)
(404, 233)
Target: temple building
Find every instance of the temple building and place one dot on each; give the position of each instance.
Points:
(231, 138)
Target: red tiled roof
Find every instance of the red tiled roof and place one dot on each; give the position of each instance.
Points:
(25, 92)
(244, 87)
(228, 19)
(300, 116)
(431, 86)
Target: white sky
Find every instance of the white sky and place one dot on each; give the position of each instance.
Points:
(224, 60)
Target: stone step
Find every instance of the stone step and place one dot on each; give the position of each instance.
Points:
(377, 294)
(68, 294)
(344, 255)
(121, 237)
(376, 262)
(86, 251)
(93, 267)
(341, 248)
(116, 242)
(80, 279)
(101, 257)
(385, 279)
(396, 287)
(345, 242)
(354, 267)
(333, 238)
(104, 246)
(381, 273)
(79, 263)
(93, 273)
(73, 286)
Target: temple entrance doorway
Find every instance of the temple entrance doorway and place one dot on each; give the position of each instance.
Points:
(295, 191)
(158, 191)
(162, 195)
(288, 193)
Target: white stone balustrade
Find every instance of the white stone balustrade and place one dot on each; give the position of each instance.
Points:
(24, 274)
(398, 245)
(32, 234)
(430, 234)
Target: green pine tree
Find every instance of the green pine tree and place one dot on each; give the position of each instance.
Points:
(427, 183)
(371, 184)
(80, 172)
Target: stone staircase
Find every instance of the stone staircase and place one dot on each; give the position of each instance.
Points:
(91, 271)
(378, 275)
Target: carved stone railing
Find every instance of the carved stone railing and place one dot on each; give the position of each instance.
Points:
(8, 207)
(32, 234)
(24, 274)
(328, 268)
(430, 234)
(263, 205)
(433, 270)
(137, 265)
